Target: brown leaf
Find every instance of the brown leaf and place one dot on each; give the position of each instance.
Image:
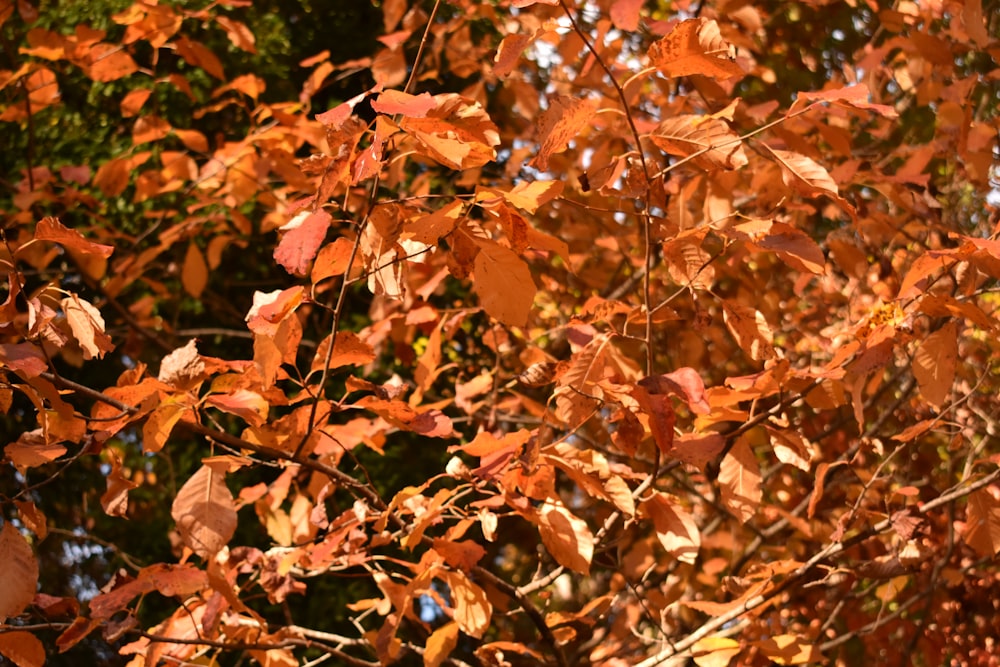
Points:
(19, 574)
(50, 229)
(750, 330)
(934, 364)
(182, 366)
(695, 46)
(564, 118)
(194, 274)
(115, 499)
(982, 519)
(205, 513)
(739, 479)
(504, 284)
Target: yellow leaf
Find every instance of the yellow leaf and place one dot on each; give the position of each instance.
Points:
(714, 651)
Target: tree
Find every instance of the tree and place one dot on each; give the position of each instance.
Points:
(536, 332)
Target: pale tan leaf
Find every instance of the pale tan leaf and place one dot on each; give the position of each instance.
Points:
(750, 330)
(88, 327)
(19, 574)
(504, 284)
(714, 651)
(791, 448)
(205, 513)
(804, 175)
(675, 528)
(739, 479)
(982, 518)
(708, 141)
(789, 650)
(472, 610)
(621, 495)
(695, 46)
(182, 366)
(566, 536)
(458, 132)
(530, 196)
(934, 364)
(564, 118)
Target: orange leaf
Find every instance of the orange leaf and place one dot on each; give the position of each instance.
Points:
(458, 133)
(303, 237)
(982, 519)
(625, 14)
(244, 403)
(31, 451)
(19, 574)
(109, 62)
(510, 50)
(115, 499)
(708, 141)
(934, 364)
(205, 513)
(795, 247)
(349, 350)
(698, 450)
(856, 96)
(50, 229)
(333, 260)
(472, 609)
(440, 644)
(804, 175)
(714, 651)
(504, 284)
(194, 275)
(559, 124)
(156, 431)
(674, 527)
(695, 46)
(22, 648)
(530, 196)
(739, 479)
(241, 36)
(789, 650)
(393, 102)
(750, 330)
(565, 536)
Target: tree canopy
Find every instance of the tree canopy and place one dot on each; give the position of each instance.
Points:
(445, 332)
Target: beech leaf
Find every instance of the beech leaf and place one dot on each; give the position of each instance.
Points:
(302, 239)
(675, 528)
(204, 512)
(739, 479)
(934, 364)
(50, 229)
(564, 118)
(19, 574)
(695, 46)
(503, 283)
(566, 537)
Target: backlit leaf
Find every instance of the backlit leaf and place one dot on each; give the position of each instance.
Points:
(694, 46)
(934, 364)
(739, 480)
(504, 284)
(566, 536)
(19, 574)
(204, 512)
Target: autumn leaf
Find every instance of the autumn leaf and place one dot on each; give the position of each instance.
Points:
(302, 238)
(856, 96)
(564, 118)
(504, 284)
(707, 141)
(714, 651)
(19, 575)
(458, 133)
(440, 644)
(750, 330)
(739, 481)
(50, 229)
(204, 512)
(393, 102)
(694, 46)
(934, 364)
(982, 520)
(472, 610)
(22, 648)
(674, 527)
(566, 537)
(88, 327)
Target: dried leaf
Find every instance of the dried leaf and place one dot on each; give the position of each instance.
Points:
(504, 284)
(739, 479)
(205, 513)
(750, 330)
(22, 648)
(565, 536)
(88, 327)
(674, 527)
(182, 366)
(934, 364)
(564, 118)
(982, 519)
(19, 574)
(707, 141)
(695, 46)
(50, 229)
(458, 133)
(302, 239)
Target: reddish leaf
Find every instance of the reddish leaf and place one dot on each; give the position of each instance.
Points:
(564, 118)
(50, 229)
(19, 574)
(22, 648)
(302, 239)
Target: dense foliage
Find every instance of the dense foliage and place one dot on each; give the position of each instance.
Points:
(509, 333)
